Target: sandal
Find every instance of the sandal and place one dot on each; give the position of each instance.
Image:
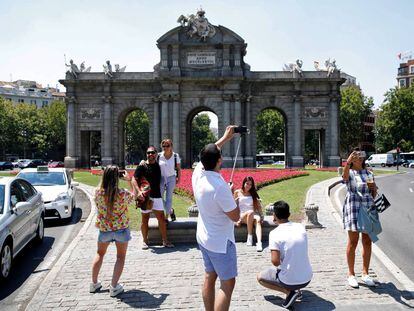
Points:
(167, 244)
(144, 246)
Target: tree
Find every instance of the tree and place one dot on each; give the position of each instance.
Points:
(137, 135)
(8, 127)
(270, 131)
(354, 108)
(54, 116)
(201, 134)
(394, 125)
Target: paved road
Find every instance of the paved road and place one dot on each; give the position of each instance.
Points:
(398, 221)
(32, 264)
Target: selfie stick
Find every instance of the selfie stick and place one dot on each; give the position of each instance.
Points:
(235, 160)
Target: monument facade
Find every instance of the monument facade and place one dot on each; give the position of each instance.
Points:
(201, 68)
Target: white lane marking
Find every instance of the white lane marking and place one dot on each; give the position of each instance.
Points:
(411, 190)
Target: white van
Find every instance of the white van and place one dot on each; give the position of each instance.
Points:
(383, 159)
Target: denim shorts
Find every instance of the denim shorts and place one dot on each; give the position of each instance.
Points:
(122, 236)
(271, 276)
(224, 265)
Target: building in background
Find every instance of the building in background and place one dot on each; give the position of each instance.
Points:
(349, 80)
(24, 91)
(405, 76)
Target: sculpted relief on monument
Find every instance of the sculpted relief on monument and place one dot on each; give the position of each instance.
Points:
(315, 112)
(90, 113)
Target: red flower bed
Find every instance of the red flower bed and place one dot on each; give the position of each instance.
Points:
(261, 177)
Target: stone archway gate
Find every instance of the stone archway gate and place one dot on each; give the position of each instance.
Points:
(201, 70)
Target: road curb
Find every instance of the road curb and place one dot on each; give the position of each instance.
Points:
(40, 294)
(397, 273)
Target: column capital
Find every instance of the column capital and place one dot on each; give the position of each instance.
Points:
(71, 100)
(245, 98)
(156, 99)
(107, 99)
(230, 97)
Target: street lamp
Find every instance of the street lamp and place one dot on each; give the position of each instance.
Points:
(24, 135)
(398, 157)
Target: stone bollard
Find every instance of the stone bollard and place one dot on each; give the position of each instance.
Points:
(340, 171)
(193, 210)
(269, 209)
(311, 211)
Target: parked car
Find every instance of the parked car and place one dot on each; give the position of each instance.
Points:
(21, 219)
(21, 163)
(383, 159)
(58, 190)
(411, 165)
(56, 164)
(6, 166)
(35, 163)
(408, 163)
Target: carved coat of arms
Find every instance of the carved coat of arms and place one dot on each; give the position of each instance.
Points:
(197, 25)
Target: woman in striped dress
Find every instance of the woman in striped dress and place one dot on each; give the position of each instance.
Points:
(360, 192)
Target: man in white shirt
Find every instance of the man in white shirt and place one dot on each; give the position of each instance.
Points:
(215, 225)
(288, 244)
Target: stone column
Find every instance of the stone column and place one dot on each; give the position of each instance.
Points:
(165, 133)
(297, 157)
(334, 158)
(238, 121)
(227, 160)
(106, 136)
(156, 121)
(248, 156)
(71, 158)
(176, 123)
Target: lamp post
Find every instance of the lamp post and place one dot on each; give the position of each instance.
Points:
(398, 157)
(24, 135)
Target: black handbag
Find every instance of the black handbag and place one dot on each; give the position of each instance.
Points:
(381, 203)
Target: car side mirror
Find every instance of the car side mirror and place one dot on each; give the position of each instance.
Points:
(21, 207)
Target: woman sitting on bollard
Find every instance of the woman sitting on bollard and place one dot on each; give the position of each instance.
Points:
(250, 211)
(113, 223)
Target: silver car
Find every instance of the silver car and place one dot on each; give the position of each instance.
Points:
(21, 219)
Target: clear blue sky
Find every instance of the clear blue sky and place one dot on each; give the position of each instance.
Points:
(363, 36)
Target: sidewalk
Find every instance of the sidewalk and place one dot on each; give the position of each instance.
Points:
(171, 279)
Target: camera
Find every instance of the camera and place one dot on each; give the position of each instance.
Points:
(241, 129)
(121, 173)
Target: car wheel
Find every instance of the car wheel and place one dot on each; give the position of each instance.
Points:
(382, 165)
(40, 233)
(6, 260)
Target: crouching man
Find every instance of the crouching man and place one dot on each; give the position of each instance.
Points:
(288, 244)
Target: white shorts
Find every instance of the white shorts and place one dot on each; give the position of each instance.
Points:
(157, 206)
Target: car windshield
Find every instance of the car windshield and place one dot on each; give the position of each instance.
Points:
(1, 199)
(44, 179)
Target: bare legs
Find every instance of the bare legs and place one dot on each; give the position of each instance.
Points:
(223, 299)
(251, 219)
(272, 286)
(353, 238)
(121, 249)
(161, 225)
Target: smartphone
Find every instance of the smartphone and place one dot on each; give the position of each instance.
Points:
(241, 129)
(121, 173)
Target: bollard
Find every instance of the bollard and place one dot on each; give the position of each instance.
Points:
(193, 210)
(311, 211)
(269, 210)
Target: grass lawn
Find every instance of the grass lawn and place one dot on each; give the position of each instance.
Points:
(293, 191)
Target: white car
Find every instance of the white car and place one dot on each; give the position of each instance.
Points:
(21, 219)
(58, 190)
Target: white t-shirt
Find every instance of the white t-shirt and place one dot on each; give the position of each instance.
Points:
(292, 242)
(213, 197)
(245, 203)
(167, 166)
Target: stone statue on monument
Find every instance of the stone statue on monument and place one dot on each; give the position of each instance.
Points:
(73, 68)
(119, 69)
(294, 67)
(197, 25)
(108, 69)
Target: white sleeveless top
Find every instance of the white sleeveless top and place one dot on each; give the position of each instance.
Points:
(245, 203)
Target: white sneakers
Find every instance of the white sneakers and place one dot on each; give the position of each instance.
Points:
(352, 281)
(94, 287)
(259, 246)
(114, 291)
(366, 279)
(249, 241)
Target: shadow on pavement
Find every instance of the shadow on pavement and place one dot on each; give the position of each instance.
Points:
(178, 248)
(309, 301)
(25, 264)
(391, 290)
(136, 298)
(76, 217)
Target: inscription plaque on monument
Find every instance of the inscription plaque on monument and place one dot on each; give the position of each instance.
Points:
(201, 58)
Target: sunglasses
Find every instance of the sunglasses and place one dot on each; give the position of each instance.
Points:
(166, 146)
(151, 152)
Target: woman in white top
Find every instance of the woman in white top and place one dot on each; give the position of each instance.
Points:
(250, 211)
(169, 162)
